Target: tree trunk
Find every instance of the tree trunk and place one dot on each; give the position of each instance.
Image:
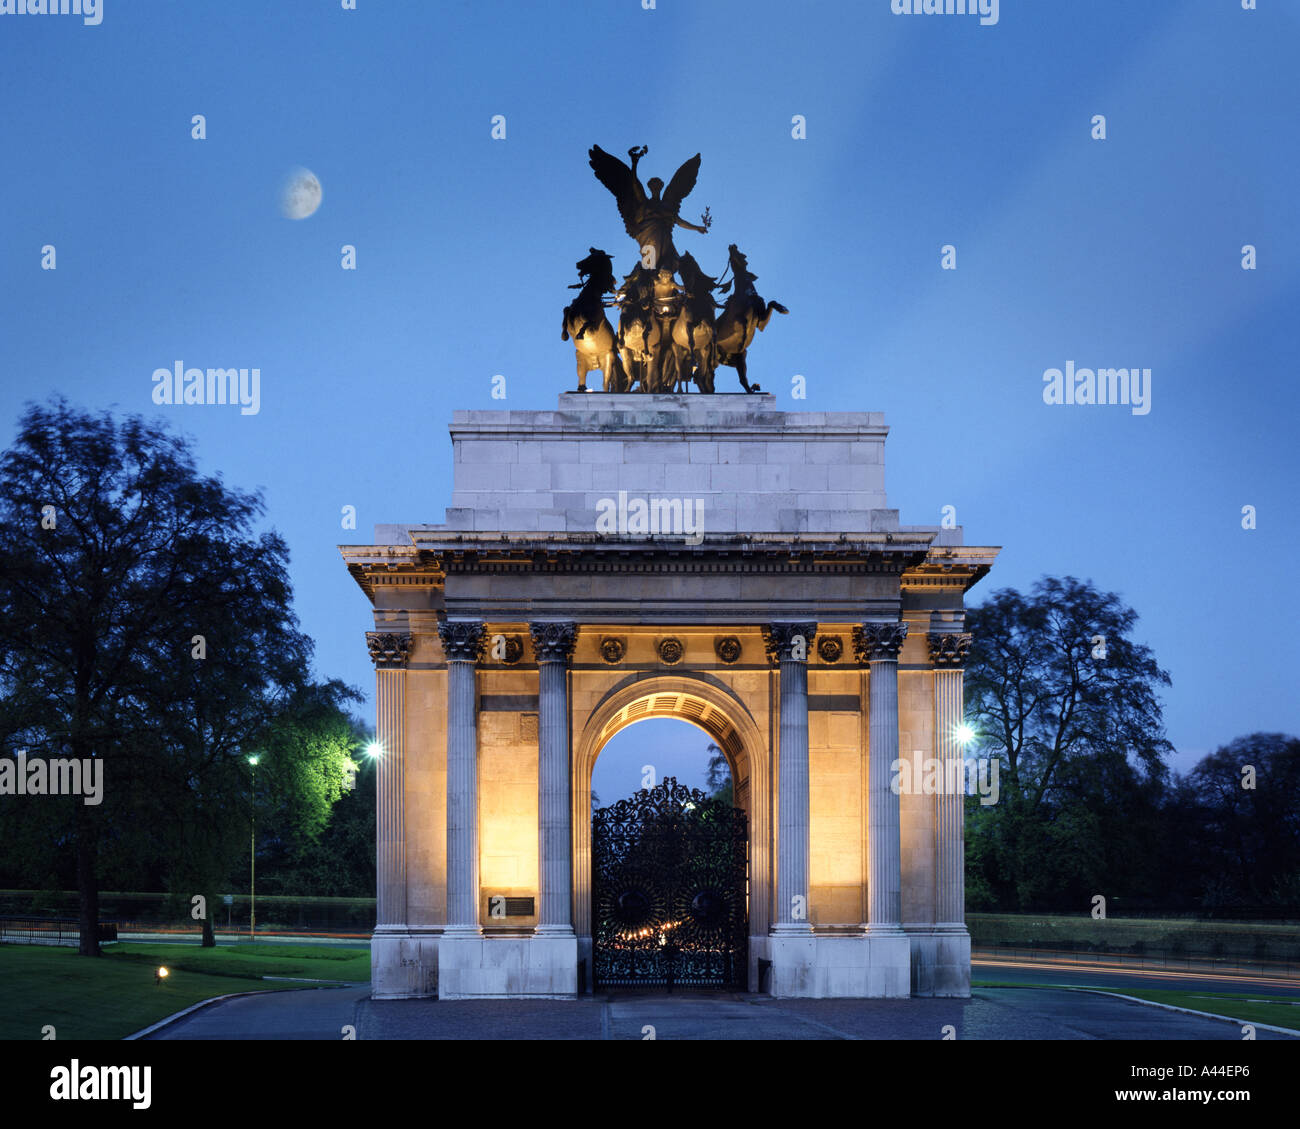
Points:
(209, 936)
(87, 884)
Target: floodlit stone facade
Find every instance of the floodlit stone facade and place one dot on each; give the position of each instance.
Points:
(705, 557)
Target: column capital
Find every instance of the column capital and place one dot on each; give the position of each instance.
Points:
(875, 641)
(948, 652)
(389, 650)
(782, 641)
(553, 641)
(462, 639)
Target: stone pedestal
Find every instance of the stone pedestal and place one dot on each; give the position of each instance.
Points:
(487, 967)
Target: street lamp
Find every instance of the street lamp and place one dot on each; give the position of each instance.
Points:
(252, 857)
(374, 750)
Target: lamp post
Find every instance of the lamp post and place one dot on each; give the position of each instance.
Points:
(252, 857)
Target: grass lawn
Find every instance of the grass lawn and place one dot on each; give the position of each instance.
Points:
(111, 997)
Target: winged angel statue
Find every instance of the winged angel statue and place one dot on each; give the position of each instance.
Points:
(669, 335)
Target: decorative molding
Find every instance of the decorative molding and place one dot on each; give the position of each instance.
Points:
(830, 648)
(671, 650)
(612, 650)
(388, 650)
(948, 652)
(727, 648)
(462, 639)
(873, 642)
(781, 640)
(553, 641)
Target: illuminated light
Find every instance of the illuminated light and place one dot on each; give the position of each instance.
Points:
(374, 750)
(160, 974)
(253, 760)
(963, 734)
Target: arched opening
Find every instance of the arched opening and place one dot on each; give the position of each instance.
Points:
(650, 750)
(707, 706)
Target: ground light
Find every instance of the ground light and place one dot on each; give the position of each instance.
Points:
(159, 975)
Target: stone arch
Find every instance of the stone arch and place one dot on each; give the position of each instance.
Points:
(712, 707)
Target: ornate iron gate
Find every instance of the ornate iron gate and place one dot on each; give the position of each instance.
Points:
(669, 891)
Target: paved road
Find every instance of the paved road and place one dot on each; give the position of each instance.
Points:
(992, 1013)
(1012, 971)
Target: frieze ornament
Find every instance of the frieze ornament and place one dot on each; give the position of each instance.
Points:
(875, 641)
(612, 649)
(789, 642)
(388, 650)
(830, 648)
(728, 649)
(462, 640)
(671, 650)
(553, 642)
(949, 651)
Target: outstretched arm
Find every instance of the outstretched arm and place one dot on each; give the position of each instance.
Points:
(694, 227)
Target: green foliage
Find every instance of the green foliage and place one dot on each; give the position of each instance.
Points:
(144, 622)
(1080, 742)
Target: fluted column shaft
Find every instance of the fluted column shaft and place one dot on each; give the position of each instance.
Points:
(948, 652)
(789, 644)
(389, 653)
(462, 642)
(879, 644)
(553, 644)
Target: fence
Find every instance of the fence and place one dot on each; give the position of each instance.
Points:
(49, 930)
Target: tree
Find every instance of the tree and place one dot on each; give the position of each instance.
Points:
(1238, 815)
(717, 777)
(1059, 692)
(131, 590)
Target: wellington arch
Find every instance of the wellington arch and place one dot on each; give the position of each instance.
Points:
(815, 638)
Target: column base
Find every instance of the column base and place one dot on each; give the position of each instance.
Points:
(940, 958)
(553, 931)
(537, 967)
(404, 962)
(837, 966)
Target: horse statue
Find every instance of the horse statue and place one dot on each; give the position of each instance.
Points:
(641, 330)
(744, 313)
(692, 332)
(584, 320)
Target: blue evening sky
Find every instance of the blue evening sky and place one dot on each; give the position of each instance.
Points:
(921, 131)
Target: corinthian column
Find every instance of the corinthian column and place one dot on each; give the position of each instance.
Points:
(389, 651)
(789, 645)
(948, 653)
(462, 642)
(879, 645)
(553, 644)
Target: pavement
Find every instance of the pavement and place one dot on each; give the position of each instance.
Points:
(991, 1013)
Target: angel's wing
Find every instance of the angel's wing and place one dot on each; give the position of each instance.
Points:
(682, 182)
(621, 181)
